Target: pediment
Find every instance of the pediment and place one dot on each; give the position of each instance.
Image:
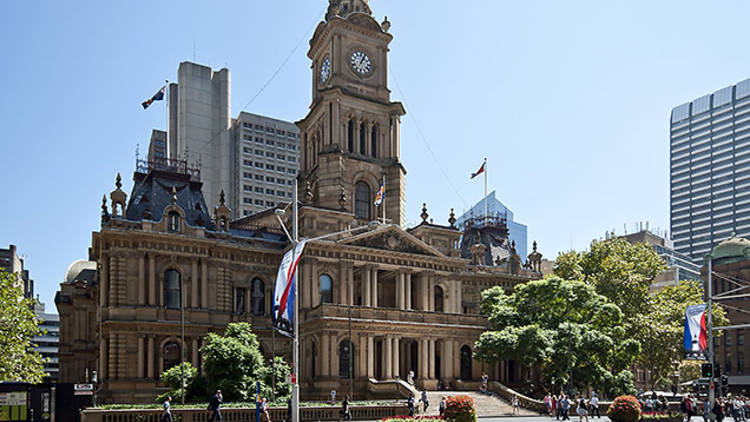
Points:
(392, 238)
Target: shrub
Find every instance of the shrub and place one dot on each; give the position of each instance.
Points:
(412, 418)
(624, 409)
(460, 409)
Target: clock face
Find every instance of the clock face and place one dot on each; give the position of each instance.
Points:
(325, 70)
(360, 62)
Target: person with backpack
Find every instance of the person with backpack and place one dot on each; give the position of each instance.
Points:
(443, 404)
(166, 415)
(425, 401)
(410, 404)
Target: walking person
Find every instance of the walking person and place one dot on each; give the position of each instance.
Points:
(581, 408)
(345, 414)
(214, 407)
(565, 407)
(559, 405)
(442, 406)
(166, 415)
(594, 404)
(425, 402)
(718, 409)
(264, 409)
(485, 378)
(516, 405)
(410, 404)
(548, 404)
(706, 410)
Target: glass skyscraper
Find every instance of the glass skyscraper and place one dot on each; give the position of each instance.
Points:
(710, 170)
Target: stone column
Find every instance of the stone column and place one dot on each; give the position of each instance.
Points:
(370, 357)
(194, 285)
(431, 358)
(324, 355)
(195, 352)
(150, 357)
(103, 294)
(396, 358)
(151, 279)
(424, 305)
(334, 354)
(400, 302)
(141, 281)
(141, 365)
(204, 284)
(430, 293)
(458, 301)
(374, 293)
(315, 284)
(112, 357)
(344, 283)
(387, 358)
(350, 271)
(113, 281)
(366, 286)
(407, 292)
(423, 353)
(103, 359)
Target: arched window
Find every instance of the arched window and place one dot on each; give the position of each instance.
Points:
(374, 141)
(326, 289)
(258, 297)
(362, 138)
(172, 289)
(438, 293)
(346, 351)
(466, 363)
(171, 355)
(173, 221)
(350, 135)
(362, 201)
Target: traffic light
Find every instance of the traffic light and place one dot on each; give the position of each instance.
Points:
(724, 380)
(717, 371)
(706, 370)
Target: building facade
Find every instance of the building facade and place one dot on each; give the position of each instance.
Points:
(517, 232)
(47, 342)
(680, 267)
(10, 262)
(377, 301)
(248, 157)
(710, 170)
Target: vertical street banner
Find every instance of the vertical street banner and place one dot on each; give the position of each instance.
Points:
(284, 293)
(696, 334)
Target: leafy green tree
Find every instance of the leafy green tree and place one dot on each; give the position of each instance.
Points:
(19, 361)
(275, 375)
(172, 377)
(233, 363)
(562, 327)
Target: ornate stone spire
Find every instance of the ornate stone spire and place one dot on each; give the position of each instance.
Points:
(174, 195)
(221, 198)
(424, 214)
(118, 197)
(343, 8)
(342, 198)
(308, 192)
(222, 214)
(452, 218)
(386, 25)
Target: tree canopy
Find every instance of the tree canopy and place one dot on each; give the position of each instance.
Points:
(18, 324)
(233, 363)
(559, 326)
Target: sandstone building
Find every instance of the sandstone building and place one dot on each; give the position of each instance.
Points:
(376, 302)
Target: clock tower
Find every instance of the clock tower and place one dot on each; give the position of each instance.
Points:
(350, 139)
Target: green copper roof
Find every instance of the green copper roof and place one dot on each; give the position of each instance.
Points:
(734, 249)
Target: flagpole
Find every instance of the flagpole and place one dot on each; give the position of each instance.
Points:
(297, 279)
(166, 93)
(485, 188)
(383, 199)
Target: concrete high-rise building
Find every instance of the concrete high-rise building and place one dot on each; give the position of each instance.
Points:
(517, 232)
(710, 170)
(253, 159)
(47, 342)
(268, 161)
(10, 262)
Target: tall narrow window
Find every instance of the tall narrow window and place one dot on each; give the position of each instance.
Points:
(350, 136)
(465, 364)
(362, 201)
(239, 300)
(173, 223)
(258, 297)
(374, 141)
(362, 139)
(172, 289)
(346, 349)
(438, 293)
(171, 355)
(326, 289)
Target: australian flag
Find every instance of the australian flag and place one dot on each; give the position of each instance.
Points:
(157, 97)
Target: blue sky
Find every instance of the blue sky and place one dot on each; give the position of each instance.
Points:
(569, 101)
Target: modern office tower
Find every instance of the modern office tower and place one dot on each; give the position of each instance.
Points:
(268, 161)
(10, 262)
(495, 208)
(710, 170)
(253, 159)
(47, 343)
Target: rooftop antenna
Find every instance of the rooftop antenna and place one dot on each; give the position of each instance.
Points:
(625, 228)
(194, 48)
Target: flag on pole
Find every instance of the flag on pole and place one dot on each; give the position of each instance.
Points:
(284, 291)
(157, 97)
(480, 171)
(380, 196)
(696, 333)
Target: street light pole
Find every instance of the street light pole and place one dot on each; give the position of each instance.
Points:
(710, 332)
(295, 342)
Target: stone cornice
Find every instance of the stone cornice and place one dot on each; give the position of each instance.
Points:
(325, 29)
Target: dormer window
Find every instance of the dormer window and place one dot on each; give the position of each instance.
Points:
(173, 222)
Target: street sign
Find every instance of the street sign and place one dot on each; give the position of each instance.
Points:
(83, 389)
(291, 379)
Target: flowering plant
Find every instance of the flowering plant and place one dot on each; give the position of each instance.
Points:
(624, 409)
(404, 418)
(460, 409)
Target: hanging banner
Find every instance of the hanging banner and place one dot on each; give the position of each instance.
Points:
(696, 334)
(284, 293)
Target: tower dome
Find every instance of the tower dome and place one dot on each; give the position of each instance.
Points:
(732, 250)
(343, 8)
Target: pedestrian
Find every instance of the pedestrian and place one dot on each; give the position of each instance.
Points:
(565, 407)
(516, 405)
(649, 405)
(264, 409)
(553, 399)
(559, 405)
(166, 415)
(706, 410)
(548, 404)
(345, 415)
(718, 409)
(595, 406)
(425, 401)
(581, 408)
(214, 407)
(485, 378)
(443, 404)
(410, 404)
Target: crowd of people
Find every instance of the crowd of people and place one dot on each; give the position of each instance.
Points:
(560, 405)
(737, 408)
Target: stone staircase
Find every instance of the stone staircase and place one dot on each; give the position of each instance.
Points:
(488, 405)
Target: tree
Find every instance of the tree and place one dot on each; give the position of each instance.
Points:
(663, 327)
(172, 377)
(233, 363)
(563, 328)
(18, 324)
